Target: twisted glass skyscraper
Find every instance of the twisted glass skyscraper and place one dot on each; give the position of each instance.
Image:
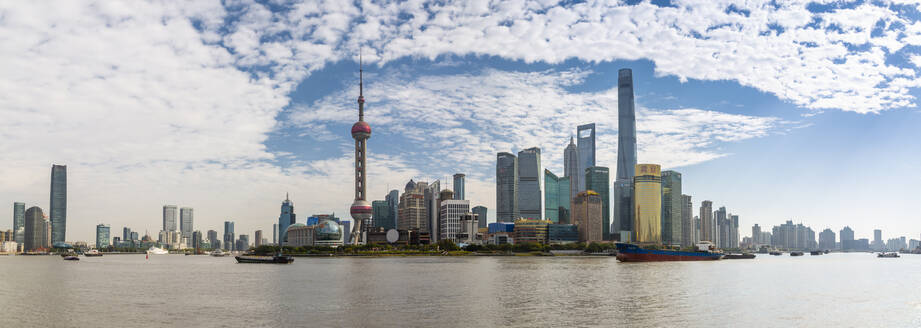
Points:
(626, 152)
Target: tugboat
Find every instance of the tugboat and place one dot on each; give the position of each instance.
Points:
(92, 253)
(739, 256)
(277, 259)
(888, 255)
(796, 253)
(633, 253)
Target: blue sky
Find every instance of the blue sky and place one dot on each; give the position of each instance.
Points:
(778, 111)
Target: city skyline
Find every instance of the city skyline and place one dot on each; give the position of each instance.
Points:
(735, 136)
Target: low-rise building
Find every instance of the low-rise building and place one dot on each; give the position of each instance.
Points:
(531, 231)
(562, 234)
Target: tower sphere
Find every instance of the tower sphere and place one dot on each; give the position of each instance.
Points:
(361, 130)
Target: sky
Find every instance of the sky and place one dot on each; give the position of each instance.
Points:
(777, 110)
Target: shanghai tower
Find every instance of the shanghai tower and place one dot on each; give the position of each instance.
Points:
(361, 131)
(626, 153)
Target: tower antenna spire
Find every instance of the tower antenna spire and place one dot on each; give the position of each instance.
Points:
(361, 87)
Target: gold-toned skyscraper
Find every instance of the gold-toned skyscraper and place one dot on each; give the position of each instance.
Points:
(647, 204)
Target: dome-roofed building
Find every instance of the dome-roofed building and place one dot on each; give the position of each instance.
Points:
(411, 185)
(328, 233)
(298, 235)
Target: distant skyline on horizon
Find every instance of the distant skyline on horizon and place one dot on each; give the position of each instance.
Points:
(799, 111)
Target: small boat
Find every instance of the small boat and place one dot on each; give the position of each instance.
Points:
(827, 251)
(277, 259)
(816, 253)
(739, 256)
(776, 253)
(218, 253)
(92, 253)
(888, 255)
(71, 258)
(633, 253)
(157, 251)
(796, 253)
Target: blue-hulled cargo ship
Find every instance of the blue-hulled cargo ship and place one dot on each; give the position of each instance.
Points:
(633, 253)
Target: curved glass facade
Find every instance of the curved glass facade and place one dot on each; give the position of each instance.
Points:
(647, 204)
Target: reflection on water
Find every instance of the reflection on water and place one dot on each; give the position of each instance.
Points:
(170, 290)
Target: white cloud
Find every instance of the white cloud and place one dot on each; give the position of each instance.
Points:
(172, 102)
(457, 123)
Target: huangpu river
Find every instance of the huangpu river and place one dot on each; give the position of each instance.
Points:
(834, 290)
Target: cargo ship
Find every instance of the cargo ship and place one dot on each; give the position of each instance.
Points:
(277, 259)
(633, 253)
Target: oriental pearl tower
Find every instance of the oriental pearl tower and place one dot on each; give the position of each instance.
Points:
(361, 131)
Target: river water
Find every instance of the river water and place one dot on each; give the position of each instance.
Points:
(834, 290)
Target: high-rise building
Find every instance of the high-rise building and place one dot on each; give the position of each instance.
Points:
(687, 221)
(530, 202)
(242, 243)
(185, 222)
(393, 199)
(443, 195)
(345, 225)
(229, 236)
(585, 135)
(412, 214)
(697, 229)
(431, 196)
(286, 218)
(626, 152)
(381, 216)
(170, 213)
(571, 169)
(361, 132)
(58, 205)
(556, 197)
(827, 240)
(19, 222)
(734, 231)
(451, 211)
(35, 229)
(793, 236)
(756, 235)
(722, 228)
(506, 187)
(213, 240)
(126, 234)
(623, 208)
(706, 222)
(102, 236)
(480, 211)
(672, 204)
(647, 204)
(274, 234)
(847, 238)
(459, 186)
(598, 179)
(587, 215)
(196, 240)
(258, 236)
(877, 244)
